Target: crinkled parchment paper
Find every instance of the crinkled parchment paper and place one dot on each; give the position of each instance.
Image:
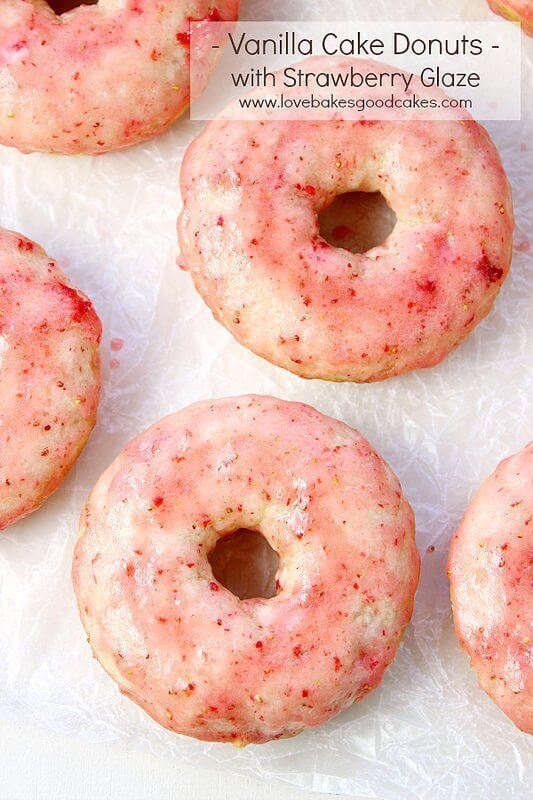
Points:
(429, 731)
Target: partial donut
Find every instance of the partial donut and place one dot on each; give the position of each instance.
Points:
(515, 10)
(249, 235)
(491, 580)
(196, 658)
(100, 77)
(49, 375)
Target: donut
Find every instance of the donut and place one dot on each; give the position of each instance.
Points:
(49, 375)
(491, 579)
(195, 657)
(515, 10)
(249, 235)
(101, 76)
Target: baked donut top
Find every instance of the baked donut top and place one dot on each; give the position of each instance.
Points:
(192, 654)
(49, 375)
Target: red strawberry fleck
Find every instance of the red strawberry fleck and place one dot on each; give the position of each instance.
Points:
(427, 285)
(491, 273)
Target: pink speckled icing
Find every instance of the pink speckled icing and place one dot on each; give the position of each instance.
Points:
(49, 375)
(515, 10)
(491, 578)
(249, 236)
(100, 77)
(196, 658)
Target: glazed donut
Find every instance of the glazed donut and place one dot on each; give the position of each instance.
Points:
(491, 579)
(200, 661)
(49, 375)
(100, 77)
(249, 235)
(515, 10)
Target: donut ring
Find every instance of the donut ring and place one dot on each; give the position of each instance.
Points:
(196, 658)
(49, 375)
(98, 78)
(515, 10)
(491, 580)
(249, 235)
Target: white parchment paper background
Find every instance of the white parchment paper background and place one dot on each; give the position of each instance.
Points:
(428, 732)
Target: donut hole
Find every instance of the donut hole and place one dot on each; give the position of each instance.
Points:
(245, 563)
(357, 221)
(62, 6)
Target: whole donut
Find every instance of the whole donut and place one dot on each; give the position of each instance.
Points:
(491, 580)
(49, 375)
(196, 658)
(249, 235)
(515, 10)
(100, 77)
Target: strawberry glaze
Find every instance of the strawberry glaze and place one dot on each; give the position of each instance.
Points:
(491, 579)
(196, 658)
(49, 375)
(249, 235)
(515, 10)
(100, 77)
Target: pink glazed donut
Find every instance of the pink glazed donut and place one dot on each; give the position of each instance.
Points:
(249, 235)
(100, 77)
(515, 10)
(200, 661)
(49, 375)
(491, 578)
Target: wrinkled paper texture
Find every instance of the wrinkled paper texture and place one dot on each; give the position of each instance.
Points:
(428, 731)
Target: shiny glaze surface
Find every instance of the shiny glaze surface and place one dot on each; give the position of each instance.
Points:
(98, 78)
(491, 577)
(515, 10)
(196, 658)
(49, 375)
(249, 236)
